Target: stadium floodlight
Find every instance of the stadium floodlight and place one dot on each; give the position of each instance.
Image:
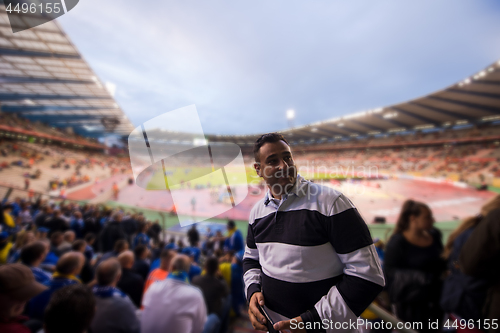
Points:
(290, 115)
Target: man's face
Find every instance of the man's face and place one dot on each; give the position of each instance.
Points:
(277, 167)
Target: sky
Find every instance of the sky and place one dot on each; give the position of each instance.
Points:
(245, 63)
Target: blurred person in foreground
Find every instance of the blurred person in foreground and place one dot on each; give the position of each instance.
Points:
(70, 310)
(309, 256)
(173, 305)
(68, 268)
(463, 295)
(115, 312)
(17, 286)
(414, 265)
(480, 258)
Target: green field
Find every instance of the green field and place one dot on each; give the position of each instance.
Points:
(199, 176)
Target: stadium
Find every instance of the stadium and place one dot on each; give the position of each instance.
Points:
(69, 168)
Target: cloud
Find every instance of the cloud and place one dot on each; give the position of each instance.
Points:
(245, 63)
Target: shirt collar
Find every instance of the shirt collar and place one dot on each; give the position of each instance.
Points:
(298, 189)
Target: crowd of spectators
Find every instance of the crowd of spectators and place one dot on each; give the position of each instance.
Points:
(105, 270)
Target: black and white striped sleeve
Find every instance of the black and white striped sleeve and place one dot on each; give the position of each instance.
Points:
(251, 265)
(363, 278)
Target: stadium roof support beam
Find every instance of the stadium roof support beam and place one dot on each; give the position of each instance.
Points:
(12, 79)
(391, 121)
(370, 127)
(16, 97)
(423, 119)
(59, 118)
(475, 93)
(455, 115)
(23, 53)
(335, 129)
(493, 110)
(45, 108)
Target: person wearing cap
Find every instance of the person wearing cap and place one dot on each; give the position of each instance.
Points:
(234, 241)
(33, 255)
(68, 268)
(41, 233)
(17, 286)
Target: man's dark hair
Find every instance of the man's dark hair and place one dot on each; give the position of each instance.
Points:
(120, 245)
(70, 310)
(89, 237)
(231, 224)
(266, 138)
(211, 265)
(139, 250)
(78, 245)
(31, 252)
(55, 235)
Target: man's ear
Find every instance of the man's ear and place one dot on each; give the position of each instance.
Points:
(256, 166)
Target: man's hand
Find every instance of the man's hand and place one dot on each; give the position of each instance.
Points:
(257, 319)
(286, 324)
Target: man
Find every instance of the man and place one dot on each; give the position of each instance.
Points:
(309, 257)
(111, 232)
(130, 283)
(68, 239)
(234, 241)
(215, 289)
(87, 273)
(56, 223)
(480, 257)
(115, 311)
(141, 264)
(17, 286)
(33, 255)
(173, 305)
(160, 273)
(193, 235)
(70, 310)
(120, 246)
(68, 268)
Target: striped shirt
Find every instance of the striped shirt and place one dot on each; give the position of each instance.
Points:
(311, 254)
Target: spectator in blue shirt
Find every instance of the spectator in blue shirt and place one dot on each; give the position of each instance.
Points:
(234, 242)
(141, 238)
(68, 268)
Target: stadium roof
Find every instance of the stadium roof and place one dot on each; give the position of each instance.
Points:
(474, 100)
(43, 77)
